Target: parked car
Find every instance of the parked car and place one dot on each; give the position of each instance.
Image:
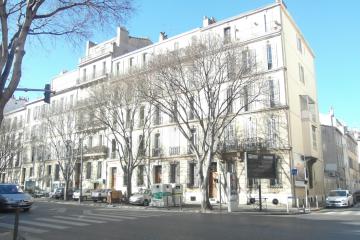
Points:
(59, 193)
(100, 195)
(12, 196)
(339, 198)
(143, 197)
(86, 194)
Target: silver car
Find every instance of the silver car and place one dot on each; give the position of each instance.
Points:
(142, 197)
(12, 196)
(339, 198)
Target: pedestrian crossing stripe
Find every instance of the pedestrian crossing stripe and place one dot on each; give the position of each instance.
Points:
(81, 219)
(341, 213)
(23, 228)
(98, 218)
(39, 224)
(111, 216)
(63, 222)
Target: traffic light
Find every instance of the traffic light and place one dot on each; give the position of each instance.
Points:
(47, 93)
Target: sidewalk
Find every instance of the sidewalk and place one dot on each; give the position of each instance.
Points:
(191, 208)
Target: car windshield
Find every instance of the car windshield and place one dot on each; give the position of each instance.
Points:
(337, 194)
(142, 191)
(10, 189)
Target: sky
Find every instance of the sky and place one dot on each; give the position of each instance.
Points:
(331, 27)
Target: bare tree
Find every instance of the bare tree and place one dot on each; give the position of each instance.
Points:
(203, 88)
(10, 145)
(118, 105)
(65, 140)
(24, 18)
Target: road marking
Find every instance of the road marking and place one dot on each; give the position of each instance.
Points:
(110, 216)
(63, 222)
(80, 219)
(130, 214)
(98, 218)
(23, 228)
(49, 225)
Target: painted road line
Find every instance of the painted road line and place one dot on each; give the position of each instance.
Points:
(48, 225)
(109, 216)
(63, 222)
(79, 219)
(23, 228)
(98, 218)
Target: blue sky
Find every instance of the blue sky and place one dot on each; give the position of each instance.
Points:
(331, 27)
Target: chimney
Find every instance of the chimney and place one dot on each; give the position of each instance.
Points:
(162, 36)
(122, 36)
(89, 44)
(207, 21)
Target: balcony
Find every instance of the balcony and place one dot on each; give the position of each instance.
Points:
(97, 151)
(93, 77)
(230, 145)
(253, 144)
(89, 125)
(156, 152)
(174, 151)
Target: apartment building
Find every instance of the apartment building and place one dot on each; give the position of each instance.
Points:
(287, 125)
(340, 151)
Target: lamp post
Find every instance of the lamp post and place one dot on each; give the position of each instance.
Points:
(81, 168)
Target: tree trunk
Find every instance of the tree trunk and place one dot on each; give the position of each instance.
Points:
(129, 185)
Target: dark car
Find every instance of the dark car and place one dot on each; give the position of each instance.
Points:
(12, 196)
(59, 193)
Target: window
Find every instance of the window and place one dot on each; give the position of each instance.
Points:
(192, 181)
(141, 148)
(100, 140)
(246, 63)
(192, 108)
(31, 172)
(174, 173)
(174, 113)
(103, 68)
(49, 170)
(84, 74)
(273, 131)
(227, 35)
(193, 140)
(113, 145)
(301, 73)
(245, 99)
(269, 56)
(90, 142)
(88, 170)
(156, 150)
(140, 175)
(273, 93)
(131, 62)
(157, 116)
(99, 169)
(265, 24)
(314, 141)
(94, 71)
(141, 116)
(118, 69)
(229, 100)
(145, 59)
(252, 183)
(71, 101)
(277, 182)
(57, 172)
(157, 174)
(128, 118)
(299, 44)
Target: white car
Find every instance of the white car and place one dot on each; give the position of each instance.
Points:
(86, 194)
(143, 197)
(339, 198)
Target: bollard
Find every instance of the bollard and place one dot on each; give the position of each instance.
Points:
(16, 223)
(287, 205)
(317, 202)
(297, 203)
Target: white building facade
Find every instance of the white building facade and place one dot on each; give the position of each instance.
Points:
(286, 60)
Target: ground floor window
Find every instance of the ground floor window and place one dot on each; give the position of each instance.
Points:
(174, 174)
(140, 175)
(157, 174)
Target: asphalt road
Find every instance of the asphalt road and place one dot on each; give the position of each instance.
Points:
(60, 221)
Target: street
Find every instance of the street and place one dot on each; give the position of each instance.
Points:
(54, 221)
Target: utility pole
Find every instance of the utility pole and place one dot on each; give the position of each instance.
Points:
(81, 168)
